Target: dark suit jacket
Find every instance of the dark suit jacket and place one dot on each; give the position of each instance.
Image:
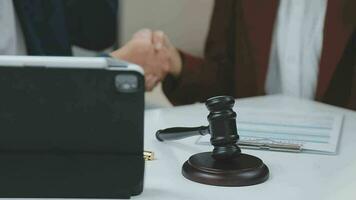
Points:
(238, 48)
(51, 27)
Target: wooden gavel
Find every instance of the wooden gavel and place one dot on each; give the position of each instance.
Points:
(225, 165)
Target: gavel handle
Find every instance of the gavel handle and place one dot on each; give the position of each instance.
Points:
(178, 133)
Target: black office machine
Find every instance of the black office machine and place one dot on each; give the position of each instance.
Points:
(70, 128)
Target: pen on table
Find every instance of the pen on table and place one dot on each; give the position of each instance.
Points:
(296, 148)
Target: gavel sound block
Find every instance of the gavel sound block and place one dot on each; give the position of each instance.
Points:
(225, 165)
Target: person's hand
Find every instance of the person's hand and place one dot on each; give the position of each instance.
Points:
(152, 51)
(140, 50)
(163, 45)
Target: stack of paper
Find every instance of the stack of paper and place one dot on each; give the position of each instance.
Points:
(305, 132)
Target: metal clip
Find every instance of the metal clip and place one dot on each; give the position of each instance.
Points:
(148, 155)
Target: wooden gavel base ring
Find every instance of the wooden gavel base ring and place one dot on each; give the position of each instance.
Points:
(244, 170)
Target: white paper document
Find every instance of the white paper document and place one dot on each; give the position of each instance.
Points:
(296, 132)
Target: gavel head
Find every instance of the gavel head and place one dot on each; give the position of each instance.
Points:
(222, 125)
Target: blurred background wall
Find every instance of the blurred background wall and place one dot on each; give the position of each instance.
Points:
(185, 22)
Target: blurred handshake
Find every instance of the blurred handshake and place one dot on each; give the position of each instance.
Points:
(153, 51)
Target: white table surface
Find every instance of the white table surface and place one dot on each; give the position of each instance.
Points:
(292, 175)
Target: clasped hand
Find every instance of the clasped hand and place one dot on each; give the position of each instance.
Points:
(153, 51)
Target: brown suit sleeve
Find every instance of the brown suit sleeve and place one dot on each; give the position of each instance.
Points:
(201, 79)
(352, 100)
